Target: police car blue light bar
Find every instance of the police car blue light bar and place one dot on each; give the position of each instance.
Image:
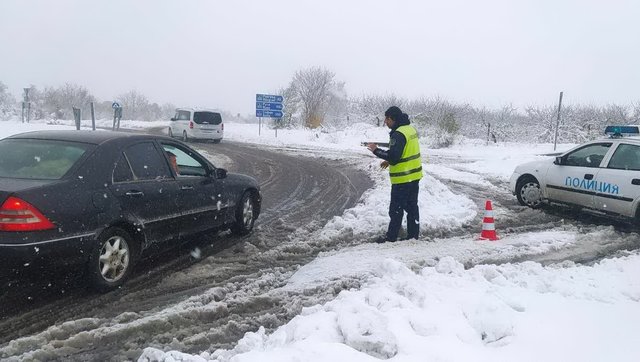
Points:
(620, 131)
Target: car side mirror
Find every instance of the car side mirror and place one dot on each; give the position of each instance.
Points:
(558, 160)
(173, 118)
(220, 173)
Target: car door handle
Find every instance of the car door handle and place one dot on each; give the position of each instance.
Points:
(588, 176)
(635, 181)
(134, 193)
(183, 188)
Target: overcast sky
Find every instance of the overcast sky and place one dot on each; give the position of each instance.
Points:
(219, 54)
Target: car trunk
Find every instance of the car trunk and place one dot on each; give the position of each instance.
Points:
(9, 186)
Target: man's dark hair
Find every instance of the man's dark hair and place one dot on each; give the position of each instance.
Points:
(396, 115)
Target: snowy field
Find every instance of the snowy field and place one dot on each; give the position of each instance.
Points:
(419, 302)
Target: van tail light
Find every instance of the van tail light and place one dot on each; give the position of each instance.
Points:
(191, 124)
(19, 215)
(222, 126)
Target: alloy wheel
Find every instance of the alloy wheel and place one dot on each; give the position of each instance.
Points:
(114, 258)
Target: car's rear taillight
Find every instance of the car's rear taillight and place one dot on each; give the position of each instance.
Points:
(191, 124)
(222, 126)
(19, 215)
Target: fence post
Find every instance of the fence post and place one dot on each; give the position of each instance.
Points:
(77, 114)
(93, 117)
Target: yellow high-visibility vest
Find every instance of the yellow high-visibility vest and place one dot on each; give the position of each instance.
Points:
(409, 168)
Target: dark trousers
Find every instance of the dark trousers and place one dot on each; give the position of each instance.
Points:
(404, 198)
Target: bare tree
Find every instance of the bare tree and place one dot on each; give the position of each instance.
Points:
(447, 129)
(543, 121)
(7, 103)
(337, 107)
(58, 102)
(135, 106)
(616, 114)
(291, 102)
(314, 91)
(433, 112)
(168, 110)
(38, 107)
(371, 108)
(635, 113)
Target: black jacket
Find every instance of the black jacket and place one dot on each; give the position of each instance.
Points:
(397, 141)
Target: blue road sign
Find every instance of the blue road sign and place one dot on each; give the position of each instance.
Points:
(269, 106)
(268, 114)
(268, 98)
(115, 105)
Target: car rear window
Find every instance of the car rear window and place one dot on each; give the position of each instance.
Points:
(39, 159)
(207, 118)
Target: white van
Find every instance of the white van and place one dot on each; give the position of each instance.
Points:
(193, 123)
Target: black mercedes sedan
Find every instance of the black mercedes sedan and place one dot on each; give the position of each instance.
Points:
(102, 200)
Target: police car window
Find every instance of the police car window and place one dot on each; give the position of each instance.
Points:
(589, 156)
(626, 157)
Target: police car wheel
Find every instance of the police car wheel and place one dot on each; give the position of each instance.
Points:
(529, 193)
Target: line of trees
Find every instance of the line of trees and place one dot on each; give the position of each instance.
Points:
(57, 102)
(314, 98)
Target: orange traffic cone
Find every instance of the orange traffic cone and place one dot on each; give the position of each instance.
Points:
(488, 227)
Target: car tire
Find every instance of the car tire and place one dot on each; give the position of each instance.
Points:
(170, 132)
(185, 138)
(111, 261)
(217, 140)
(245, 215)
(529, 193)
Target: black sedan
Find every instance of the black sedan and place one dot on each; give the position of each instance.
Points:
(102, 200)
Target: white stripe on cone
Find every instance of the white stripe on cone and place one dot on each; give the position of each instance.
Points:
(486, 226)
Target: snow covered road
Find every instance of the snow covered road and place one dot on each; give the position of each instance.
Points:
(308, 284)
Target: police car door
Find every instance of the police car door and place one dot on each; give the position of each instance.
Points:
(572, 181)
(619, 185)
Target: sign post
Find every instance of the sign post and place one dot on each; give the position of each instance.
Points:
(269, 106)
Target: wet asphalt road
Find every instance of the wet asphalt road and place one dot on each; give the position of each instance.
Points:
(300, 195)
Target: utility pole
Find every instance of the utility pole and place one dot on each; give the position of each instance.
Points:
(555, 138)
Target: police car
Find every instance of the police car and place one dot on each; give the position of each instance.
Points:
(602, 176)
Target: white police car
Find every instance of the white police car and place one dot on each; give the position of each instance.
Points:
(602, 176)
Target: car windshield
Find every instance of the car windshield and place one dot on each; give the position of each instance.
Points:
(207, 118)
(38, 159)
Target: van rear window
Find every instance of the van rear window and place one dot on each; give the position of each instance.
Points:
(207, 118)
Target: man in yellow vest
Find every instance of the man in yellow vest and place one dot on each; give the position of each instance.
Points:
(405, 171)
